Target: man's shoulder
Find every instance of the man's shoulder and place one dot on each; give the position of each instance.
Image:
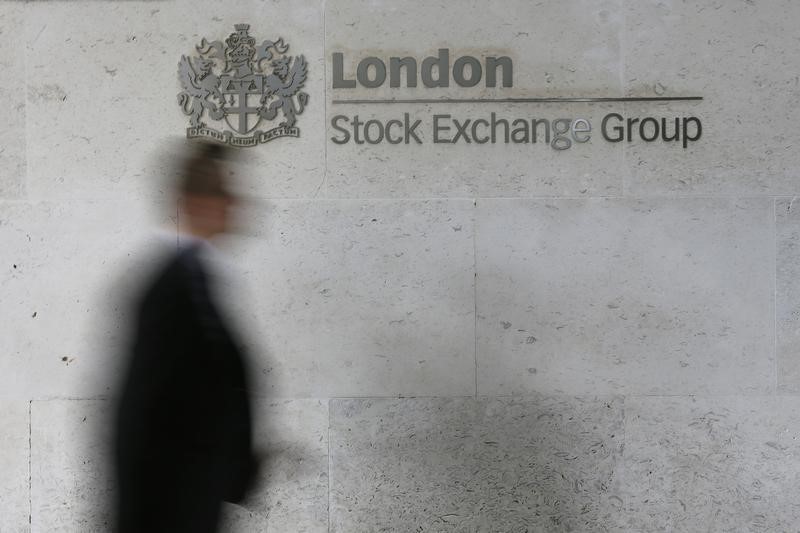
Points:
(183, 264)
(170, 272)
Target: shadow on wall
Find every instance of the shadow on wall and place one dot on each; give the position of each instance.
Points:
(443, 464)
(457, 464)
(73, 486)
(440, 464)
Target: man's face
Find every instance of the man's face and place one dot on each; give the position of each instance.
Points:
(209, 215)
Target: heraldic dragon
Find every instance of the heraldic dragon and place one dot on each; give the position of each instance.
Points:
(242, 74)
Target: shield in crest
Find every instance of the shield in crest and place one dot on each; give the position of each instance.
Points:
(242, 101)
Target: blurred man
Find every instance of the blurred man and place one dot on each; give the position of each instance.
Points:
(183, 428)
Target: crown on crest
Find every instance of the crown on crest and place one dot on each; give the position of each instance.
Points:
(242, 27)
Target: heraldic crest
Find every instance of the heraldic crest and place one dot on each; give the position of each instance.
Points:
(246, 85)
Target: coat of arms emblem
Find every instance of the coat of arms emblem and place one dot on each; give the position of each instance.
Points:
(244, 84)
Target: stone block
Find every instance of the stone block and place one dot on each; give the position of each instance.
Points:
(625, 296)
(711, 464)
(352, 298)
(14, 463)
(467, 464)
(739, 58)
(292, 491)
(787, 294)
(71, 480)
(65, 282)
(73, 483)
(12, 93)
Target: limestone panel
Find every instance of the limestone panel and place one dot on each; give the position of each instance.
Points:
(711, 464)
(291, 438)
(581, 58)
(787, 305)
(625, 296)
(103, 88)
(71, 480)
(350, 298)
(67, 274)
(14, 488)
(466, 464)
(739, 56)
(12, 93)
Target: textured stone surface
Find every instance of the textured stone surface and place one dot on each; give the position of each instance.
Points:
(12, 94)
(739, 56)
(360, 298)
(585, 66)
(359, 279)
(625, 296)
(71, 483)
(103, 86)
(64, 281)
(14, 487)
(703, 464)
(292, 491)
(787, 294)
(465, 464)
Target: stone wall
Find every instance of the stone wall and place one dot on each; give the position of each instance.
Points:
(445, 337)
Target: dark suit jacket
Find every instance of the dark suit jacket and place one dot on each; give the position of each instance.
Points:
(183, 433)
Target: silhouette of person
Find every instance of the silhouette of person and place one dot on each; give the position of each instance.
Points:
(183, 426)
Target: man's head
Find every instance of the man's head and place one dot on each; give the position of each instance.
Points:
(203, 191)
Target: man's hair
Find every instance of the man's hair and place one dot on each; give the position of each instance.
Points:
(202, 172)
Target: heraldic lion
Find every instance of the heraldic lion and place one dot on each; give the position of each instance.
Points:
(284, 83)
(198, 87)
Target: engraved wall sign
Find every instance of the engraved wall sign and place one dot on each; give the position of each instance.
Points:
(244, 87)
